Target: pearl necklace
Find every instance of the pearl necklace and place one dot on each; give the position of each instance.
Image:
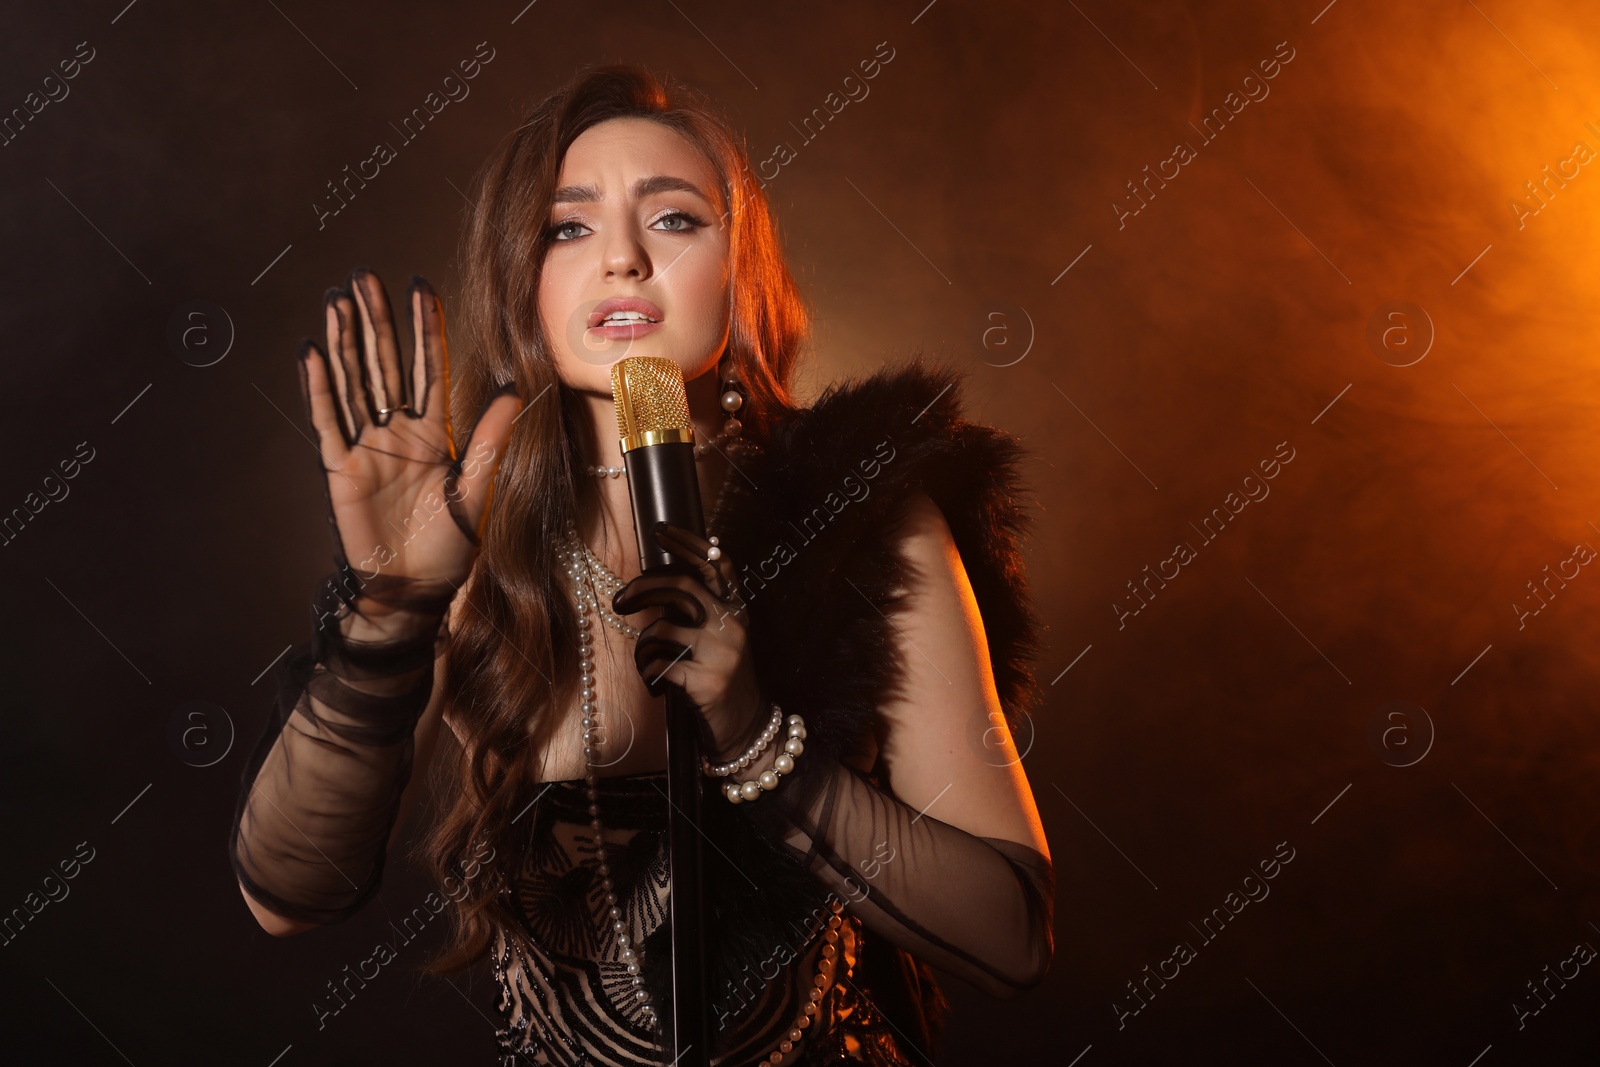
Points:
(587, 568)
(593, 584)
(590, 576)
(586, 598)
(589, 579)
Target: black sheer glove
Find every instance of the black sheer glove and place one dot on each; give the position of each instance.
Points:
(701, 642)
(981, 908)
(322, 788)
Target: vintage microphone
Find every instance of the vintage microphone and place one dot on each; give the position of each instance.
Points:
(658, 454)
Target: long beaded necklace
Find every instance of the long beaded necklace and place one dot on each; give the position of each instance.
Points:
(584, 590)
(591, 577)
(593, 584)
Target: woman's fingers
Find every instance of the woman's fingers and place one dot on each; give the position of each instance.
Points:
(693, 549)
(430, 356)
(344, 360)
(674, 645)
(389, 470)
(678, 595)
(380, 348)
(320, 405)
(655, 654)
(471, 485)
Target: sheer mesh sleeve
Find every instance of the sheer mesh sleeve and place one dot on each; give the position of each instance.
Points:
(981, 908)
(323, 786)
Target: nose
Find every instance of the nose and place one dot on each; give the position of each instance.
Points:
(623, 254)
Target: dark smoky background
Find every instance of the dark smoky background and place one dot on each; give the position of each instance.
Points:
(1373, 673)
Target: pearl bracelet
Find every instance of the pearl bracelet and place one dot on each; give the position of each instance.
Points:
(751, 754)
(740, 792)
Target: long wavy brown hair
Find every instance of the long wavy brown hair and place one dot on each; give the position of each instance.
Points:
(512, 665)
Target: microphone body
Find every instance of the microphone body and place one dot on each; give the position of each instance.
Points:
(662, 486)
(657, 451)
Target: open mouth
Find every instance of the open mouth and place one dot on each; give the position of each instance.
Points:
(624, 313)
(626, 318)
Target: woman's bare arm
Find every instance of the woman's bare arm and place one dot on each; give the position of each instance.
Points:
(944, 743)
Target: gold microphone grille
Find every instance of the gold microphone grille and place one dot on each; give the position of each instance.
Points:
(650, 401)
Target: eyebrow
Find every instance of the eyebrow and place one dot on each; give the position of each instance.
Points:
(656, 183)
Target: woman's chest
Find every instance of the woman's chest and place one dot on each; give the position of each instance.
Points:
(626, 727)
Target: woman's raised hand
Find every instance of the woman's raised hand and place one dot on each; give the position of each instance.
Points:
(401, 501)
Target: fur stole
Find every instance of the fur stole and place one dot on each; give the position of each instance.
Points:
(808, 527)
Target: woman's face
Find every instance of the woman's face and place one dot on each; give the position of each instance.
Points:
(637, 220)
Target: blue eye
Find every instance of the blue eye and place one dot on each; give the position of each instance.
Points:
(688, 220)
(555, 232)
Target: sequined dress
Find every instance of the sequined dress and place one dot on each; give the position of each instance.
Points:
(564, 997)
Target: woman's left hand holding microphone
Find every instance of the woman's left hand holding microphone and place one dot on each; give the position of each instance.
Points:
(701, 641)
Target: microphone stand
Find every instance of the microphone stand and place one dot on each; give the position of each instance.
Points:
(690, 1035)
(690, 1014)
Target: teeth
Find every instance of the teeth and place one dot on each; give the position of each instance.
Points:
(625, 318)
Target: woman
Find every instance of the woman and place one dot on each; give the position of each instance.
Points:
(856, 636)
